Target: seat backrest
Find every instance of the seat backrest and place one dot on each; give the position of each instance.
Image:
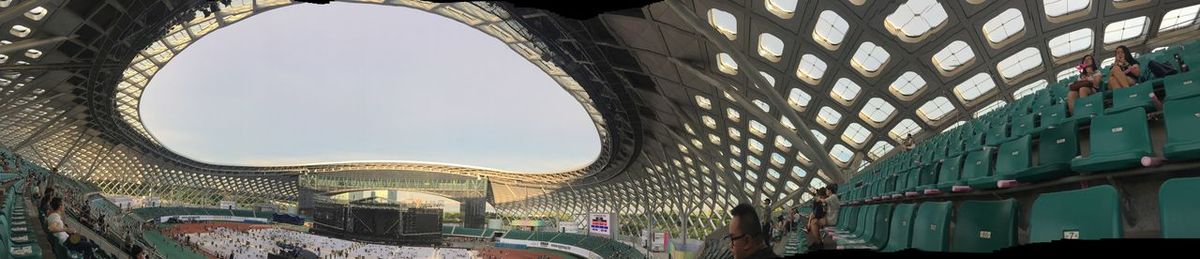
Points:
(1182, 120)
(1092, 105)
(977, 164)
(1177, 208)
(1184, 85)
(1023, 125)
(1058, 145)
(1132, 95)
(866, 221)
(930, 226)
(1090, 213)
(1120, 132)
(951, 168)
(900, 234)
(985, 226)
(1013, 156)
(1052, 115)
(997, 133)
(883, 219)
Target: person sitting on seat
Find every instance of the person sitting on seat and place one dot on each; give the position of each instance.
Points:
(1089, 80)
(813, 227)
(1125, 70)
(44, 203)
(69, 237)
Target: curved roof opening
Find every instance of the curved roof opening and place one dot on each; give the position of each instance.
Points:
(351, 82)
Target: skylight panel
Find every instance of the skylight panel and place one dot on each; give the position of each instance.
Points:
(830, 29)
(869, 58)
(1017, 64)
(1003, 26)
(953, 56)
(811, 69)
(1071, 43)
(915, 18)
(845, 90)
(1179, 18)
(856, 133)
(935, 109)
(974, 87)
(907, 84)
(1030, 89)
(877, 110)
(724, 22)
(1125, 30)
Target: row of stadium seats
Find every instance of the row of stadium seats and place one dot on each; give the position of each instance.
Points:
(990, 225)
(1030, 141)
(1000, 149)
(17, 237)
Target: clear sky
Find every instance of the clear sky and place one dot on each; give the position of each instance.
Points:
(342, 82)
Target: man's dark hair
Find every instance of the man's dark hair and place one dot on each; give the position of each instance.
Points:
(749, 220)
(136, 250)
(832, 188)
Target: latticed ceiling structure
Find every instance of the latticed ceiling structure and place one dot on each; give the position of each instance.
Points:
(699, 104)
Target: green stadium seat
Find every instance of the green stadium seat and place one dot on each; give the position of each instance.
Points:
(1088, 107)
(1183, 129)
(1118, 141)
(1090, 213)
(1177, 208)
(948, 176)
(861, 221)
(1050, 117)
(977, 169)
(1023, 125)
(931, 226)
(1137, 96)
(1012, 158)
(883, 225)
(1182, 86)
(985, 226)
(997, 134)
(901, 227)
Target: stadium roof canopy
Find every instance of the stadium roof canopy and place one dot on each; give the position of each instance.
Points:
(699, 105)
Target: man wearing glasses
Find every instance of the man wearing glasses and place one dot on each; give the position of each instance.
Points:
(746, 240)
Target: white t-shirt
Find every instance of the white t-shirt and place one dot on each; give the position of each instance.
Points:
(56, 220)
(832, 204)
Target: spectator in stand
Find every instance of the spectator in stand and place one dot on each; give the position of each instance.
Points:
(1088, 83)
(1125, 70)
(44, 204)
(746, 239)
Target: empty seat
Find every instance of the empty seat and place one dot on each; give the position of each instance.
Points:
(1022, 125)
(1182, 86)
(1051, 116)
(996, 134)
(863, 221)
(930, 226)
(1118, 141)
(1183, 129)
(1012, 158)
(1137, 96)
(985, 226)
(1088, 107)
(883, 225)
(1090, 213)
(1177, 208)
(977, 169)
(948, 176)
(901, 228)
